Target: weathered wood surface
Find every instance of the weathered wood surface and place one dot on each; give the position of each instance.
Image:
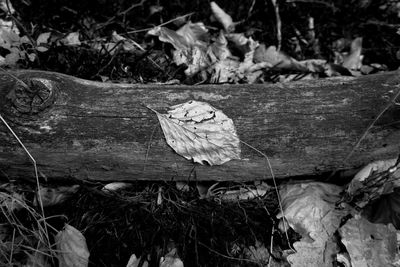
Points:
(88, 130)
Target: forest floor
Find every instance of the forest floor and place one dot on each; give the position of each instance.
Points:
(181, 42)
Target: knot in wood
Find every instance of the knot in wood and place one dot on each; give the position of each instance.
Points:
(33, 96)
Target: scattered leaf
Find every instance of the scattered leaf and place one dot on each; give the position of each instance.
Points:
(54, 196)
(127, 44)
(384, 210)
(43, 38)
(319, 253)
(222, 17)
(71, 39)
(202, 189)
(314, 65)
(372, 181)
(134, 262)
(72, 248)
(234, 195)
(11, 201)
(198, 131)
(155, 9)
(277, 59)
(7, 7)
(171, 259)
(224, 71)
(166, 35)
(353, 60)
(39, 259)
(194, 33)
(258, 253)
(195, 58)
(9, 26)
(218, 50)
(115, 186)
(369, 244)
(309, 208)
(182, 186)
(32, 57)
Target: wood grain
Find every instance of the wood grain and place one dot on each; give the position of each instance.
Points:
(96, 131)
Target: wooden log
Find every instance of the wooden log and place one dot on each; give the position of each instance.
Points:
(100, 131)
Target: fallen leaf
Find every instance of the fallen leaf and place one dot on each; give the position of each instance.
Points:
(71, 39)
(249, 71)
(232, 195)
(169, 36)
(314, 65)
(369, 244)
(198, 131)
(242, 43)
(222, 17)
(384, 210)
(189, 45)
(195, 59)
(134, 262)
(43, 38)
(194, 33)
(277, 59)
(309, 208)
(72, 250)
(218, 50)
(12, 201)
(182, 186)
(171, 259)
(319, 253)
(7, 7)
(373, 167)
(202, 189)
(31, 56)
(155, 9)
(38, 259)
(54, 196)
(258, 253)
(374, 180)
(353, 60)
(9, 26)
(332, 69)
(115, 186)
(127, 44)
(224, 71)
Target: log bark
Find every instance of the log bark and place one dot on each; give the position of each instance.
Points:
(100, 131)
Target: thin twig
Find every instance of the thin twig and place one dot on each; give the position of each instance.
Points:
(12, 247)
(391, 103)
(225, 256)
(285, 225)
(31, 158)
(253, 3)
(120, 13)
(162, 24)
(149, 146)
(271, 245)
(15, 78)
(29, 155)
(132, 7)
(110, 61)
(330, 5)
(278, 25)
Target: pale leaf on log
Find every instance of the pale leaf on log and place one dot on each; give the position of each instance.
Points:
(85, 130)
(198, 131)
